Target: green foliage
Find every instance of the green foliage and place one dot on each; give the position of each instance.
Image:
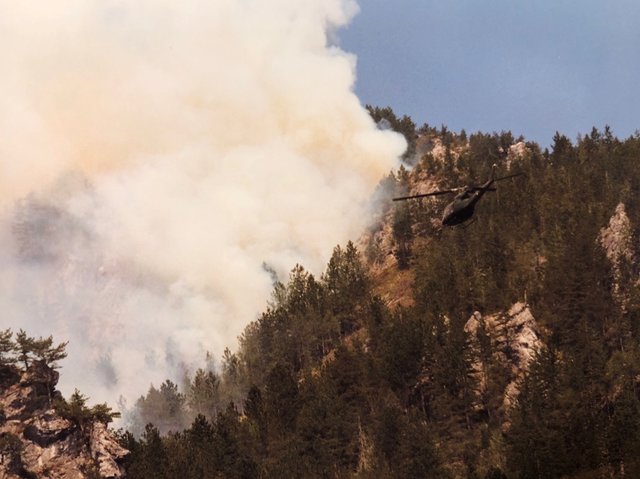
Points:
(149, 455)
(77, 411)
(31, 349)
(399, 349)
(307, 318)
(346, 284)
(164, 407)
(103, 413)
(8, 360)
(202, 450)
(402, 233)
(7, 348)
(24, 351)
(325, 430)
(203, 393)
(281, 398)
(24, 347)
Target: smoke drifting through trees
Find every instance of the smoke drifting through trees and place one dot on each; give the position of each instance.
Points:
(155, 156)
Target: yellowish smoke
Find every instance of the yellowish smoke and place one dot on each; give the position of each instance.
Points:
(211, 136)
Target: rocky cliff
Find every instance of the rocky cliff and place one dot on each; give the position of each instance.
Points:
(37, 442)
(515, 339)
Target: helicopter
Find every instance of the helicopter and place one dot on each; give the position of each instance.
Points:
(462, 207)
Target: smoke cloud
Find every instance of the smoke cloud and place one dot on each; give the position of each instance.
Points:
(154, 156)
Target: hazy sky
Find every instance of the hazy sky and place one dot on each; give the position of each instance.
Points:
(532, 67)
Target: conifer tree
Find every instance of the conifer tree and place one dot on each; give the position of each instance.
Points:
(7, 348)
(30, 349)
(24, 347)
(281, 399)
(77, 411)
(254, 410)
(203, 393)
(44, 350)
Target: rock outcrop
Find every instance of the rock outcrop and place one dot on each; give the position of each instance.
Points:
(617, 238)
(618, 241)
(515, 338)
(35, 441)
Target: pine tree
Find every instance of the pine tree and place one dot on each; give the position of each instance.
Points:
(7, 348)
(325, 430)
(281, 399)
(203, 393)
(152, 461)
(24, 347)
(8, 371)
(402, 233)
(536, 435)
(77, 411)
(8, 359)
(44, 350)
(30, 349)
(254, 410)
(164, 408)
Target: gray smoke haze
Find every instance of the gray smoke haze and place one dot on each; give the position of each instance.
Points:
(154, 156)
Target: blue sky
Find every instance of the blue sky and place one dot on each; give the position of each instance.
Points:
(532, 67)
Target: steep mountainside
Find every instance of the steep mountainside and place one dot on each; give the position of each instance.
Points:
(508, 347)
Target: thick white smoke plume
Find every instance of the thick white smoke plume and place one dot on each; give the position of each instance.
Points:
(154, 155)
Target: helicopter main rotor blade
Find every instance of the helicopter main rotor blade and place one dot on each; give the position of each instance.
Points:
(423, 195)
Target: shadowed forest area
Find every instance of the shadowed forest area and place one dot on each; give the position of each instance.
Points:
(337, 379)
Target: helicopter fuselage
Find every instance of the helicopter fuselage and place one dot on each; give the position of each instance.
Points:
(463, 205)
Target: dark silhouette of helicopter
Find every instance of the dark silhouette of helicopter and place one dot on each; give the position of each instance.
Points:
(463, 205)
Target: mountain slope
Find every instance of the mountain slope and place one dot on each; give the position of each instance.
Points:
(505, 348)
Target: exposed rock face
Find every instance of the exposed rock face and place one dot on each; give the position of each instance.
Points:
(515, 338)
(517, 151)
(616, 238)
(618, 243)
(36, 442)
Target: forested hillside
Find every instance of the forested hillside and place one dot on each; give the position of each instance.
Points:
(509, 347)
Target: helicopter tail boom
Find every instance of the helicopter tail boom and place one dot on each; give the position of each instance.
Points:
(424, 195)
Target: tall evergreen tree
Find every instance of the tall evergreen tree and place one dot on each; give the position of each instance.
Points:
(7, 348)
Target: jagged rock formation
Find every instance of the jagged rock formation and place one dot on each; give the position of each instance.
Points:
(516, 152)
(616, 238)
(35, 441)
(515, 338)
(618, 243)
